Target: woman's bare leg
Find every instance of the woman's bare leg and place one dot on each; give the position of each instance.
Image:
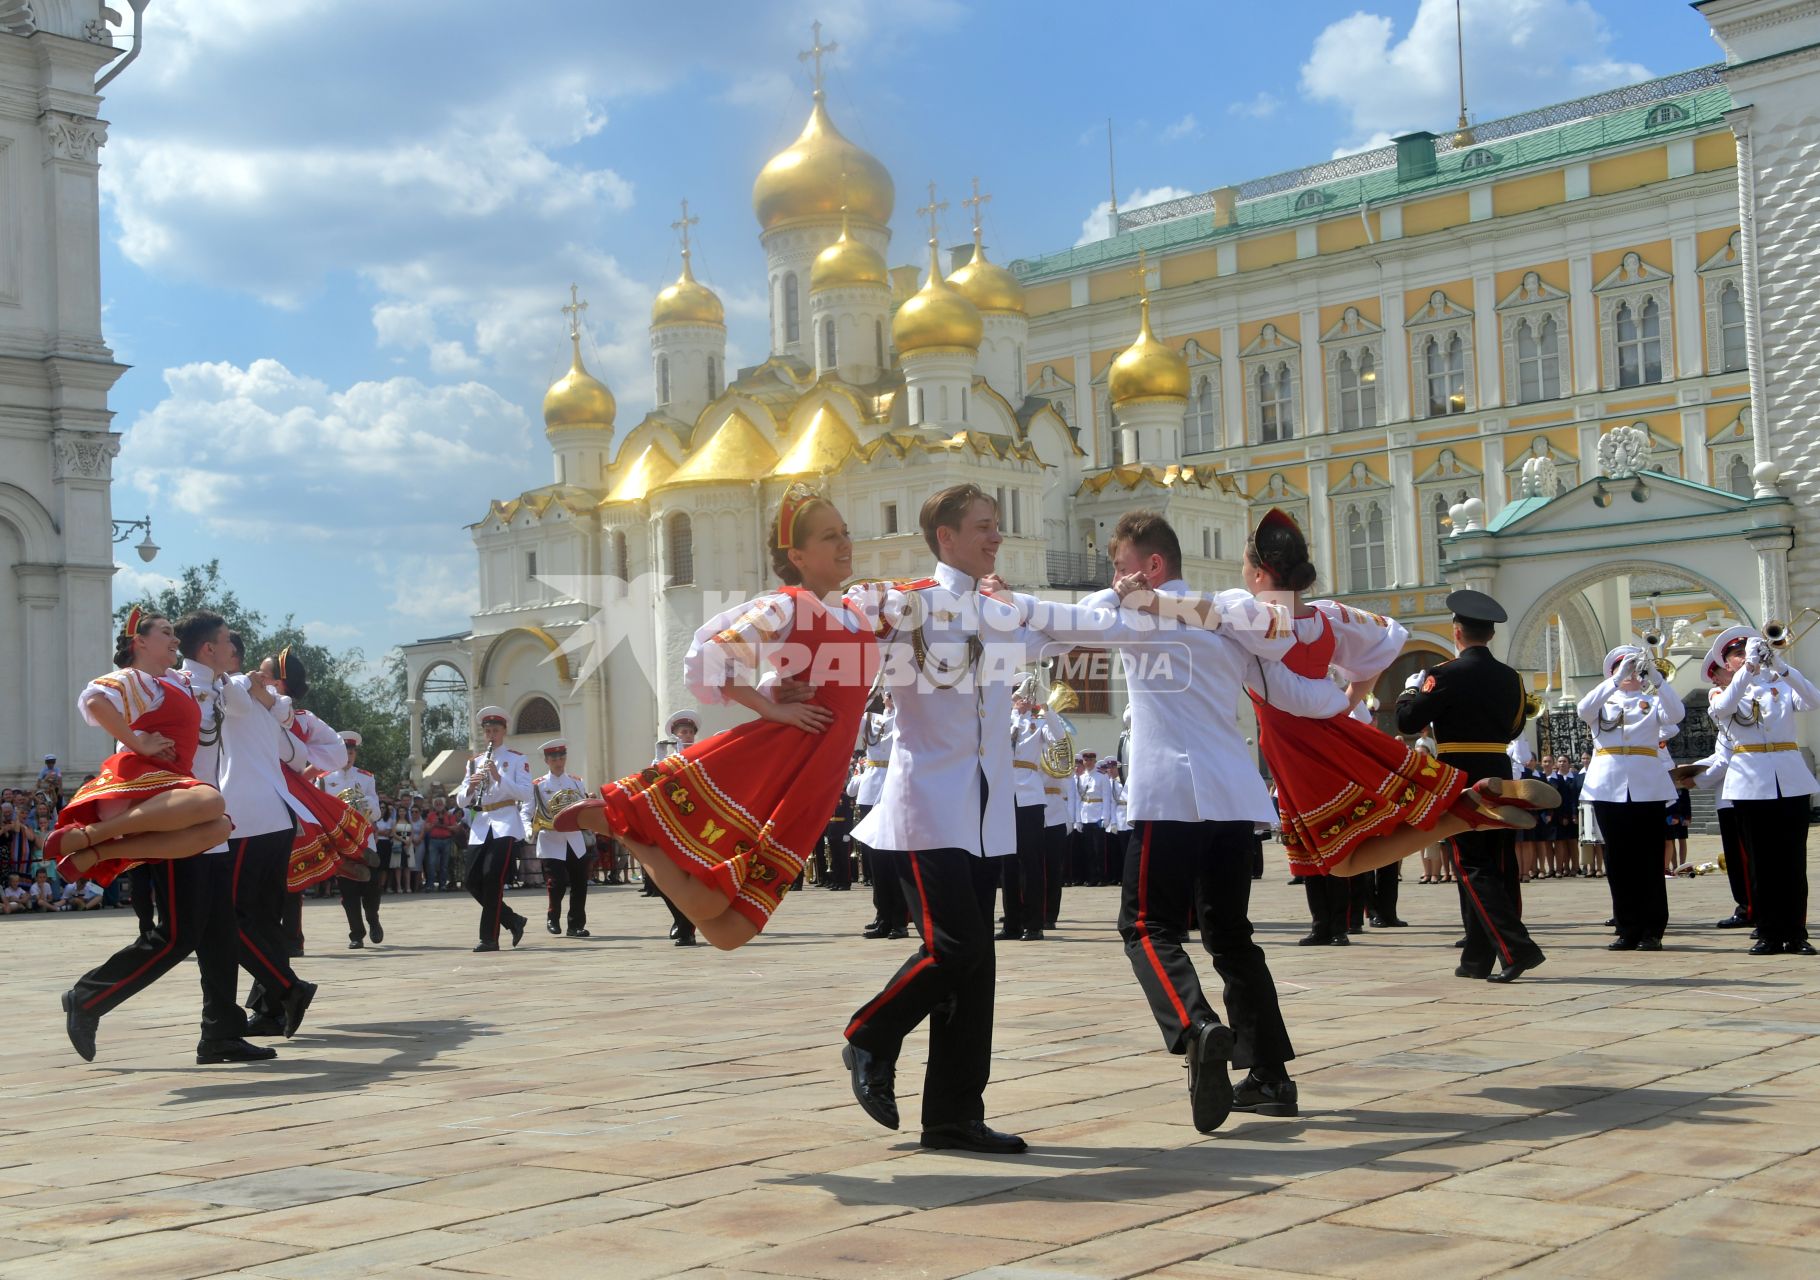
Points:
(170, 811)
(707, 908)
(1394, 846)
(156, 846)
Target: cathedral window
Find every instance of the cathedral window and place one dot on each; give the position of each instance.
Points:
(713, 377)
(1731, 326)
(621, 567)
(1276, 403)
(1017, 510)
(1444, 368)
(679, 539)
(1358, 387)
(829, 358)
(916, 399)
(1202, 424)
(888, 518)
(663, 379)
(1206, 543)
(531, 565)
(793, 311)
(538, 715)
(1639, 334)
(878, 342)
(1538, 360)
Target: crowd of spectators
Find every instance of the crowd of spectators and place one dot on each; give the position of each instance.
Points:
(29, 882)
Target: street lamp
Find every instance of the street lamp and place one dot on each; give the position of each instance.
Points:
(147, 549)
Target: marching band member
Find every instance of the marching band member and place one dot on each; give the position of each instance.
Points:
(891, 913)
(564, 853)
(146, 805)
(495, 788)
(1096, 811)
(680, 731)
(1709, 774)
(1768, 782)
(1629, 787)
(1026, 892)
(1056, 808)
(359, 877)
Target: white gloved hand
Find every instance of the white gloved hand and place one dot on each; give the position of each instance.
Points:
(1757, 654)
(1415, 681)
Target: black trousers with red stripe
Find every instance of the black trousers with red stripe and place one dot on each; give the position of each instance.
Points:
(1491, 900)
(567, 875)
(951, 981)
(489, 863)
(1025, 875)
(1182, 875)
(261, 864)
(1775, 832)
(1634, 831)
(195, 914)
(1055, 871)
(1737, 860)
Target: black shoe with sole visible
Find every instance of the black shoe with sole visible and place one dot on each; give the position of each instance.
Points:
(355, 944)
(580, 933)
(1649, 944)
(1736, 920)
(1621, 944)
(487, 946)
(1517, 968)
(378, 932)
(973, 1135)
(265, 1025)
(1764, 947)
(1389, 922)
(1800, 948)
(902, 931)
(554, 928)
(1209, 1086)
(685, 939)
(296, 1004)
(874, 1084)
(1265, 1097)
(518, 931)
(80, 1026)
(1339, 940)
(1313, 940)
(877, 929)
(212, 1051)
(1468, 971)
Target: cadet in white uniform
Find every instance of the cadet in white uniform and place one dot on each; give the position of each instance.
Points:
(1026, 888)
(1056, 809)
(680, 731)
(878, 738)
(1630, 789)
(564, 853)
(1708, 774)
(1768, 782)
(1096, 812)
(495, 788)
(359, 898)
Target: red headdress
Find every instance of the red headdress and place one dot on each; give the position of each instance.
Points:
(797, 499)
(1279, 540)
(282, 655)
(134, 616)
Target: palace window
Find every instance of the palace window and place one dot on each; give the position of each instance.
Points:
(1202, 424)
(1367, 568)
(663, 379)
(1358, 387)
(1444, 369)
(1538, 360)
(1737, 476)
(1638, 329)
(1731, 326)
(538, 715)
(1276, 402)
(679, 540)
(793, 312)
(828, 349)
(1089, 673)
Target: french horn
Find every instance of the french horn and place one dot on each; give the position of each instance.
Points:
(1057, 759)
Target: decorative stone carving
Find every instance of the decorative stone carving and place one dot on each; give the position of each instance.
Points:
(1623, 451)
(83, 455)
(1541, 479)
(72, 137)
(16, 18)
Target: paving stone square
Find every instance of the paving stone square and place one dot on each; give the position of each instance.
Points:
(620, 1107)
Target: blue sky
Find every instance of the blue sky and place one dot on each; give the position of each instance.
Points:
(336, 233)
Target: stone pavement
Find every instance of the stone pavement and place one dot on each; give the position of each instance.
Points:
(621, 1108)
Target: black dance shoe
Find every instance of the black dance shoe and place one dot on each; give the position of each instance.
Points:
(902, 931)
(1339, 940)
(1033, 935)
(1801, 948)
(1265, 1097)
(1470, 971)
(580, 933)
(1517, 968)
(487, 946)
(554, 928)
(1209, 1086)
(236, 1050)
(1313, 940)
(874, 1084)
(378, 932)
(1649, 944)
(355, 944)
(973, 1135)
(1736, 920)
(264, 1026)
(1764, 947)
(518, 932)
(685, 939)
(80, 1026)
(1621, 944)
(296, 1004)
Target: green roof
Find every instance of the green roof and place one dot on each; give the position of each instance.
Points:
(1689, 102)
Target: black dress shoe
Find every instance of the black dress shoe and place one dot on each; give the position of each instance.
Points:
(355, 944)
(1390, 922)
(1459, 944)
(973, 1135)
(1265, 1097)
(1209, 1085)
(265, 1025)
(487, 946)
(554, 928)
(1339, 940)
(80, 1026)
(378, 932)
(1649, 944)
(1033, 935)
(296, 1004)
(674, 930)
(518, 931)
(1008, 935)
(212, 1051)
(1517, 968)
(1313, 940)
(1621, 944)
(1612, 923)
(685, 939)
(1736, 920)
(1764, 947)
(1468, 971)
(580, 933)
(874, 1084)
(877, 929)
(902, 931)
(293, 952)
(1800, 948)
(1376, 922)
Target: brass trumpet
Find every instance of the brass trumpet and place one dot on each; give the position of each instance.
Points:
(1780, 635)
(1655, 644)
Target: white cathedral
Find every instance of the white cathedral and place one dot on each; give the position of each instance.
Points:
(883, 385)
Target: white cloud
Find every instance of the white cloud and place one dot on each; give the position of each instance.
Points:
(1098, 224)
(1186, 127)
(268, 455)
(1261, 107)
(137, 582)
(331, 634)
(1519, 54)
(437, 592)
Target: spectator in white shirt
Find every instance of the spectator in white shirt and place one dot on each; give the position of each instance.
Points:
(13, 897)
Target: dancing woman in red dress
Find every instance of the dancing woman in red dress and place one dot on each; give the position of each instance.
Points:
(143, 805)
(1352, 797)
(724, 827)
(334, 835)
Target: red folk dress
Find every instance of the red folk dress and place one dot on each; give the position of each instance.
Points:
(741, 811)
(333, 832)
(127, 775)
(1341, 782)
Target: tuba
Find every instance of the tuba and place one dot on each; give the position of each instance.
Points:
(1058, 757)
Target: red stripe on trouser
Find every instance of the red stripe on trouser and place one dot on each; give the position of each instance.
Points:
(885, 997)
(246, 942)
(1484, 919)
(499, 900)
(170, 939)
(1142, 925)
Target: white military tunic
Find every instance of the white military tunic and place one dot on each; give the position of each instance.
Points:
(500, 810)
(1030, 734)
(353, 776)
(555, 845)
(1627, 736)
(1766, 760)
(880, 730)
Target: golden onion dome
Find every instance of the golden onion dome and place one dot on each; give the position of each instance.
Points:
(937, 316)
(578, 398)
(807, 179)
(1148, 370)
(847, 262)
(688, 301)
(987, 285)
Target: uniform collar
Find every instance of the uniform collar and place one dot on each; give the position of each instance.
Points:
(953, 579)
(200, 675)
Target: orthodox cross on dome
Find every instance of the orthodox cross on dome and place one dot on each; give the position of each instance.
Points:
(1142, 272)
(573, 310)
(976, 202)
(933, 209)
(815, 52)
(683, 224)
